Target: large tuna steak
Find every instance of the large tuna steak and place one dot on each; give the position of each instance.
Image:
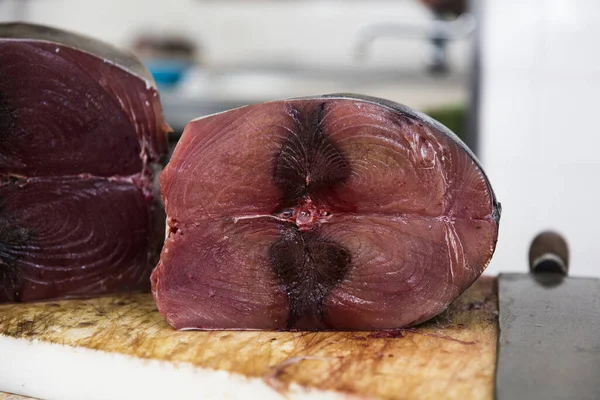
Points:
(333, 212)
(81, 129)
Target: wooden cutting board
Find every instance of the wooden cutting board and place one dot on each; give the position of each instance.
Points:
(121, 347)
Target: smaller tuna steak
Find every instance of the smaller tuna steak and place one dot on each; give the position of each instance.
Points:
(337, 212)
(81, 133)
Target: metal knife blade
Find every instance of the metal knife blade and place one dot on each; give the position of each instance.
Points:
(549, 339)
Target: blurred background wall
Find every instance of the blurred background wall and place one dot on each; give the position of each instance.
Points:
(538, 130)
(532, 92)
(242, 31)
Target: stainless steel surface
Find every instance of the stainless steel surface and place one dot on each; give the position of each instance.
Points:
(207, 91)
(471, 134)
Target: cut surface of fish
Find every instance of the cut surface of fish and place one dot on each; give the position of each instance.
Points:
(81, 133)
(335, 212)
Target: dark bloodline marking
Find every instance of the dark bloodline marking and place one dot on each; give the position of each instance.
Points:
(308, 161)
(307, 266)
(7, 118)
(12, 237)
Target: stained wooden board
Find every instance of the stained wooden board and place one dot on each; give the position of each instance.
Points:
(10, 396)
(450, 357)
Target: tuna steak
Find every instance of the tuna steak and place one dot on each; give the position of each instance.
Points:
(336, 212)
(81, 131)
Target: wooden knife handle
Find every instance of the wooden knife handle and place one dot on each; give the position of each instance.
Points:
(549, 253)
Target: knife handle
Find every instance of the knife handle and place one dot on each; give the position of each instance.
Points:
(549, 253)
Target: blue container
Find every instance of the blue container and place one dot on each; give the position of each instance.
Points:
(167, 72)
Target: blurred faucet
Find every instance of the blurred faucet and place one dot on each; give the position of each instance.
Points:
(439, 33)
